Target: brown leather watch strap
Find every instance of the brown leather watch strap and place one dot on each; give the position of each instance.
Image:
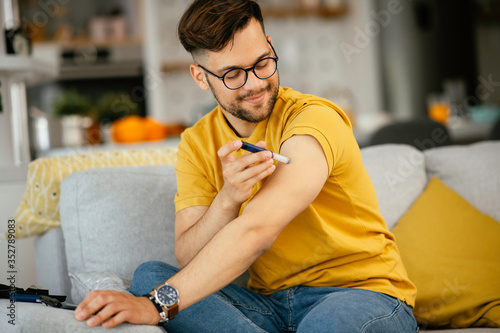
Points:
(173, 311)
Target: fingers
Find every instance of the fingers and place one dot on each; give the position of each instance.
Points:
(226, 150)
(138, 310)
(241, 174)
(87, 307)
(111, 308)
(252, 173)
(92, 304)
(109, 316)
(225, 154)
(239, 170)
(115, 320)
(261, 144)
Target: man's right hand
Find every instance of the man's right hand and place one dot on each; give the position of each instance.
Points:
(195, 226)
(241, 174)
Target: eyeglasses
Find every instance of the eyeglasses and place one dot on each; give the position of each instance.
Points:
(237, 77)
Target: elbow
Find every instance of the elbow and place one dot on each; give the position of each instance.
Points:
(262, 238)
(263, 233)
(180, 257)
(180, 264)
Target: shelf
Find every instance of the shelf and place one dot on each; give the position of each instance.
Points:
(324, 12)
(178, 66)
(172, 141)
(278, 12)
(24, 67)
(86, 42)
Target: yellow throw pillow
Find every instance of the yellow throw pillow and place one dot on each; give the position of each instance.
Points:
(452, 253)
(38, 210)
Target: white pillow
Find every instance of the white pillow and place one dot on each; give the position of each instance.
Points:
(84, 282)
(398, 174)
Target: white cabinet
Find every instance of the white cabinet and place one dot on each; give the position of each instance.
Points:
(14, 146)
(23, 67)
(14, 138)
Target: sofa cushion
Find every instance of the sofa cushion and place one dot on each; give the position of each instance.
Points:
(473, 171)
(114, 219)
(38, 210)
(451, 252)
(398, 175)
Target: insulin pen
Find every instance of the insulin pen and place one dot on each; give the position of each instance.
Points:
(255, 149)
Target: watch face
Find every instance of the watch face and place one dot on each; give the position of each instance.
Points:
(167, 295)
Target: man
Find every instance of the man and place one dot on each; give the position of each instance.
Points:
(320, 256)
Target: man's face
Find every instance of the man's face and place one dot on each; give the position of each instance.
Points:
(254, 101)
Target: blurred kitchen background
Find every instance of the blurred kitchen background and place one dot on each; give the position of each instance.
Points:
(83, 75)
(381, 60)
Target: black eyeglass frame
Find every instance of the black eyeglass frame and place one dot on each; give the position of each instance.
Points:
(275, 59)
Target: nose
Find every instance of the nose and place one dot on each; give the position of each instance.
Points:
(253, 82)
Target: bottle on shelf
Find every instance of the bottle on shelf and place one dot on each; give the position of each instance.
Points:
(17, 40)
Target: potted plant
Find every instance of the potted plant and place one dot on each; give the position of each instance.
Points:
(75, 110)
(72, 103)
(111, 107)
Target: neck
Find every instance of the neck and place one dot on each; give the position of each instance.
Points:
(241, 128)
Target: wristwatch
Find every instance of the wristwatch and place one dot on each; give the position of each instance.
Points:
(166, 300)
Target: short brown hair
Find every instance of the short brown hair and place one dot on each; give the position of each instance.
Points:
(209, 25)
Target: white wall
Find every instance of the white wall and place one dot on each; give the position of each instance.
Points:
(6, 152)
(311, 61)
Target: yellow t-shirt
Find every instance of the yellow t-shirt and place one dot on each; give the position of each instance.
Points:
(341, 239)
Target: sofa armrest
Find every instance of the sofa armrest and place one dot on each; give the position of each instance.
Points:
(51, 266)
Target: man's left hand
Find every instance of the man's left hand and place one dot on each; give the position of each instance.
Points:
(111, 308)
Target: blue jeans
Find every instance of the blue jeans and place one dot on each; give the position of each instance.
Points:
(297, 309)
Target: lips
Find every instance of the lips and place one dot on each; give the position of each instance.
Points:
(255, 99)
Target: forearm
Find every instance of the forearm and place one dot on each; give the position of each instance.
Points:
(191, 241)
(226, 256)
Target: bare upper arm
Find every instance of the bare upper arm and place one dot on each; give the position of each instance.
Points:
(292, 187)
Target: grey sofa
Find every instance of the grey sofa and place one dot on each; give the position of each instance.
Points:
(113, 219)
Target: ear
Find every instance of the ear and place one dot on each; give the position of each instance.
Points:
(199, 77)
(269, 39)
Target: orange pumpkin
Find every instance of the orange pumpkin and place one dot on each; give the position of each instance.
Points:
(154, 130)
(136, 129)
(128, 130)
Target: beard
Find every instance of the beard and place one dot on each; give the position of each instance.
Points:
(235, 108)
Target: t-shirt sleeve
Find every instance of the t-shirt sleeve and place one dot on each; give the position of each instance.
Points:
(325, 124)
(193, 187)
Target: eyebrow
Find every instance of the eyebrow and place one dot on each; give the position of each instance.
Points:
(228, 68)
